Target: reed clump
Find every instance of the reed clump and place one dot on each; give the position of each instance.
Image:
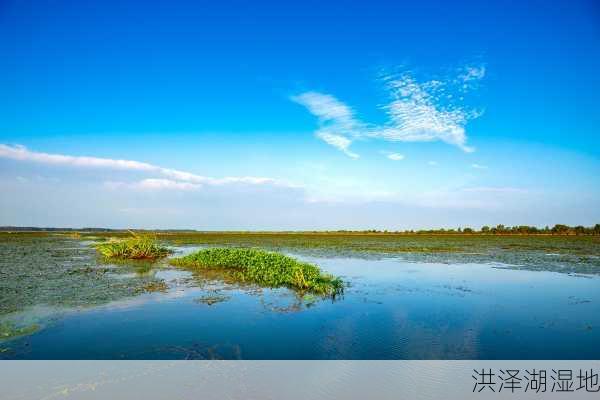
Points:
(136, 247)
(264, 268)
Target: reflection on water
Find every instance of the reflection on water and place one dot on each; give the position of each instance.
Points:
(391, 309)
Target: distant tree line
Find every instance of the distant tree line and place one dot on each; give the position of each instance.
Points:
(558, 229)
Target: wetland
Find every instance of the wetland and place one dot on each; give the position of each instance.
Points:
(401, 297)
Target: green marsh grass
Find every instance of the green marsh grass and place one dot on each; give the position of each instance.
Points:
(264, 268)
(136, 247)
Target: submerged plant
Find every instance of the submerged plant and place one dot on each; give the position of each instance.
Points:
(264, 268)
(136, 247)
(213, 298)
(152, 287)
(9, 330)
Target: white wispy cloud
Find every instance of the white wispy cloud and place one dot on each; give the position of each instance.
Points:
(176, 179)
(338, 141)
(395, 156)
(327, 108)
(21, 153)
(472, 73)
(469, 78)
(417, 112)
(432, 163)
(337, 123)
(495, 189)
(153, 184)
(478, 166)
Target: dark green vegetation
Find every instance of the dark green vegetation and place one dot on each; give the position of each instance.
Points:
(264, 268)
(136, 247)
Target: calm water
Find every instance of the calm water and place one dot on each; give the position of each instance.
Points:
(392, 310)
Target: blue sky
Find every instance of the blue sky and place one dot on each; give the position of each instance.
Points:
(313, 115)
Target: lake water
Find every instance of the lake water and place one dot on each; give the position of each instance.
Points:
(391, 309)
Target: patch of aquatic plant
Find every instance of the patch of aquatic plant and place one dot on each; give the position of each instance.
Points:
(158, 286)
(56, 271)
(9, 330)
(141, 266)
(136, 247)
(264, 268)
(212, 298)
(309, 300)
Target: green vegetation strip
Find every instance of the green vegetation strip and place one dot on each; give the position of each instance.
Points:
(8, 330)
(136, 247)
(264, 268)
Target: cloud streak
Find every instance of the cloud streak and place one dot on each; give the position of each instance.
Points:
(393, 156)
(152, 184)
(171, 178)
(337, 123)
(338, 141)
(472, 73)
(417, 112)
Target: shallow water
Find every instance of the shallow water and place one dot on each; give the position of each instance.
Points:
(392, 309)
